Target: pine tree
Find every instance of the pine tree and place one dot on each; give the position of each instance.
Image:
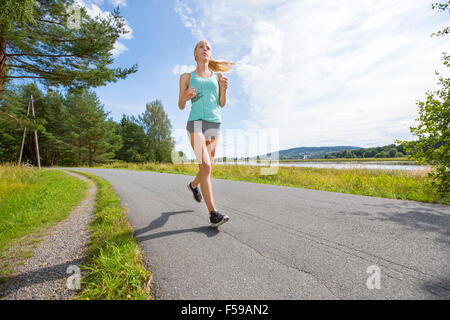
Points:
(55, 141)
(38, 41)
(93, 137)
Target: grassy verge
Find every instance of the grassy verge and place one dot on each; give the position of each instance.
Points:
(392, 184)
(115, 268)
(31, 201)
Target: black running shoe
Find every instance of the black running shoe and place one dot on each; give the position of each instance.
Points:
(195, 192)
(217, 219)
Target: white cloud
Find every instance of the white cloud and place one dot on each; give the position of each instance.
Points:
(116, 3)
(183, 11)
(325, 73)
(93, 10)
(180, 69)
(119, 48)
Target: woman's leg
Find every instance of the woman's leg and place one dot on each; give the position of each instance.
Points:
(211, 145)
(197, 179)
(198, 143)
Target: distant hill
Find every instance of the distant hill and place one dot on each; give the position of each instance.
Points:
(308, 152)
(337, 152)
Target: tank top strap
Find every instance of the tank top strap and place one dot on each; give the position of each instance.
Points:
(213, 73)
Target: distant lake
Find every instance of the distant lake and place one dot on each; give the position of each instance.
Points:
(383, 165)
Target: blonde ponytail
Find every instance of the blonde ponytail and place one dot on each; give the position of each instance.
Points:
(223, 66)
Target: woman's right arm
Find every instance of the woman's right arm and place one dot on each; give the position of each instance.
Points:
(186, 93)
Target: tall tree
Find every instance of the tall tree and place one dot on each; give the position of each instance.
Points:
(94, 138)
(55, 141)
(157, 128)
(38, 40)
(134, 148)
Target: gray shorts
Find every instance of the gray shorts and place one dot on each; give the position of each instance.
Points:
(211, 130)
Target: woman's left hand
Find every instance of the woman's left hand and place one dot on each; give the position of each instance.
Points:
(223, 83)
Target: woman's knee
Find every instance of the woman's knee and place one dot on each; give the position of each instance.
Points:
(205, 168)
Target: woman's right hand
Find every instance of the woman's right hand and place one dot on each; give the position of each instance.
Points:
(189, 94)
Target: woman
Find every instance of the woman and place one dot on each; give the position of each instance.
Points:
(206, 88)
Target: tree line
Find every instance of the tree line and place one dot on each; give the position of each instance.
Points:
(57, 44)
(74, 129)
(390, 151)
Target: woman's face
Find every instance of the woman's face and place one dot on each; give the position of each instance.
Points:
(203, 51)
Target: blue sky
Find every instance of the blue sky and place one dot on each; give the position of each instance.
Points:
(320, 73)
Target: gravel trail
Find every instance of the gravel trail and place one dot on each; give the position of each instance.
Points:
(44, 276)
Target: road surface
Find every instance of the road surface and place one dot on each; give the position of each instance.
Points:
(284, 242)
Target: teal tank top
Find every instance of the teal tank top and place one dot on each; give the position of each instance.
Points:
(205, 105)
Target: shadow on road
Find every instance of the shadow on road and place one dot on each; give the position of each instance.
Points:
(158, 223)
(162, 220)
(208, 231)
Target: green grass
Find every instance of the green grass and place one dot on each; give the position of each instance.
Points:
(31, 201)
(115, 268)
(392, 184)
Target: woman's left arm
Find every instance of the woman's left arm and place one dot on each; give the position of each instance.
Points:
(223, 85)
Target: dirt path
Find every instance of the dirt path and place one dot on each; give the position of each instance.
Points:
(44, 276)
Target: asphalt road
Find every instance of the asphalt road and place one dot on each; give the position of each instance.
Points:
(283, 242)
